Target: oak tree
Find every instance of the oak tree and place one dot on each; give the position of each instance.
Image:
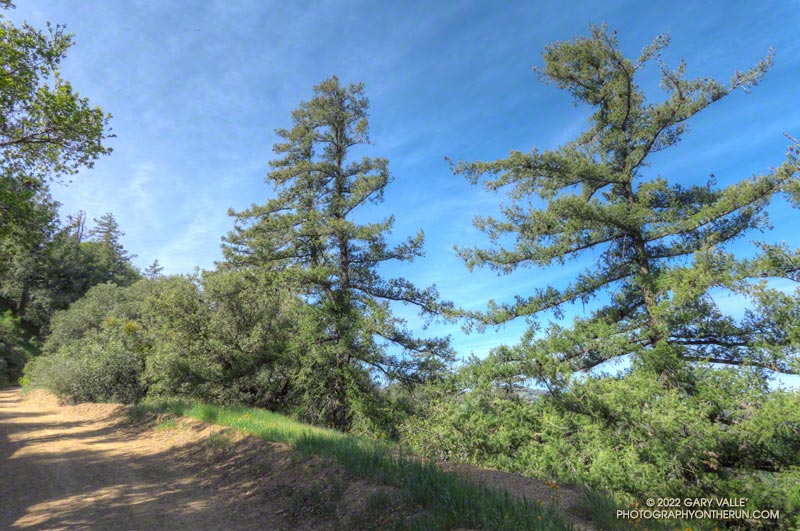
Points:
(47, 130)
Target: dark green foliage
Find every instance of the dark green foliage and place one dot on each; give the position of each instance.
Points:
(175, 315)
(24, 266)
(252, 323)
(15, 349)
(225, 342)
(347, 337)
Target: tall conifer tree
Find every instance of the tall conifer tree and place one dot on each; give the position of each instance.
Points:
(660, 245)
(307, 234)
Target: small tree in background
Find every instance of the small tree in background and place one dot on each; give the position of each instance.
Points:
(41, 275)
(112, 260)
(347, 335)
(153, 270)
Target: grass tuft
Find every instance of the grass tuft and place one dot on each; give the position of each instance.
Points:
(167, 424)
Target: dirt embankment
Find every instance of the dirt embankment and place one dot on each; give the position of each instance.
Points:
(91, 467)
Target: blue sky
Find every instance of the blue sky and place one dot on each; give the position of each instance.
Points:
(197, 89)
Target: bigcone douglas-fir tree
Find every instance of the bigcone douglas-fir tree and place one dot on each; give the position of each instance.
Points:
(348, 335)
(661, 245)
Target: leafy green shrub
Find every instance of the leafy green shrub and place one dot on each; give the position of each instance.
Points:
(220, 340)
(97, 349)
(105, 366)
(85, 315)
(729, 436)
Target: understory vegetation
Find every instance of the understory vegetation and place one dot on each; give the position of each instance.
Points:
(299, 319)
(628, 435)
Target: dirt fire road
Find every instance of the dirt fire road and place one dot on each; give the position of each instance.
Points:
(89, 467)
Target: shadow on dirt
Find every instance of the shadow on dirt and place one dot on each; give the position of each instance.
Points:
(109, 472)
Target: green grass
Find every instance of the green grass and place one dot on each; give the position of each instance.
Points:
(445, 501)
